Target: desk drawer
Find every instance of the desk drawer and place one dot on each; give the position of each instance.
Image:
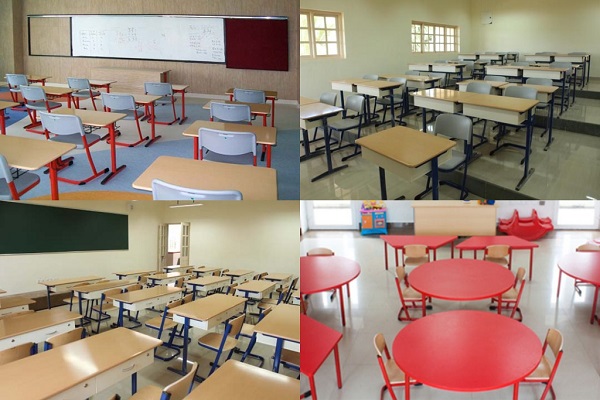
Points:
(81, 391)
(13, 310)
(38, 336)
(123, 370)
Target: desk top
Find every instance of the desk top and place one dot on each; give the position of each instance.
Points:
(7, 104)
(52, 372)
(494, 84)
(350, 81)
(264, 134)
(500, 102)
(481, 242)
(255, 183)
(92, 117)
(380, 84)
(414, 78)
(443, 94)
(269, 94)
(467, 350)
(145, 294)
(145, 98)
(206, 269)
(406, 146)
(134, 272)
(318, 110)
(282, 322)
(207, 280)
(582, 265)
(277, 276)
(57, 90)
(100, 82)
(255, 108)
(25, 323)
(14, 301)
(99, 287)
(305, 100)
(318, 341)
(324, 273)
(433, 242)
(238, 272)
(539, 88)
(168, 275)
(69, 281)
(251, 383)
(207, 307)
(31, 154)
(256, 286)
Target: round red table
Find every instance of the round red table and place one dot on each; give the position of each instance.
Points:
(584, 266)
(461, 280)
(467, 351)
(320, 274)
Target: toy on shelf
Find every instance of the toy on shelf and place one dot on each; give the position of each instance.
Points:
(528, 228)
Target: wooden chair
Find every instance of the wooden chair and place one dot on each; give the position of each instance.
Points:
(512, 297)
(499, 254)
(175, 391)
(64, 338)
(163, 323)
(588, 247)
(16, 314)
(324, 251)
(17, 352)
(72, 300)
(225, 342)
(415, 255)
(409, 297)
(230, 290)
(248, 331)
(547, 368)
(103, 308)
(131, 288)
(392, 375)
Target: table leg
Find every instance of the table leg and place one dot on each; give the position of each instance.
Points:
(574, 84)
(452, 250)
(264, 117)
(550, 124)
(196, 150)
(134, 383)
(562, 95)
(383, 186)
(500, 304)
(423, 306)
(183, 370)
(385, 254)
(559, 279)
(269, 147)
(434, 179)
(183, 117)
(153, 124)
(407, 387)
(530, 263)
(113, 156)
(48, 297)
(120, 318)
(516, 391)
(392, 107)
(336, 355)
(424, 120)
(277, 357)
(2, 123)
(313, 387)
(273, 112)
(341, 297)
(330, 169)
(526, 171)
(594, 305)
(53, 172)
(434, 254)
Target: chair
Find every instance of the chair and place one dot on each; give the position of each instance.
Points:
(354, 103)
(225, 342)
(230, 290)
(230, 112)
(15, 81)
(16, 353)
(458, 127)
(124, 103)
(499, 254)
(495, 78)
(249, 96)
(36, 100)
(588, 247)
(442, 83)
(132, 288)
(481, 88)
(165, 90)
(546, 370)
(409, 297)
(69, 129)
(392, 375)
(64, 338)
(398, 101)
(512, 297)
(326, 98)
(229, 147)
(568, 79)
(248, 331)
(12, 188)
(415, 254)
(542, 105)
(411, 72)
(83, 90)
(167, 191)
(175, 391)
(323, 251)
(104, 306)
(164, 323)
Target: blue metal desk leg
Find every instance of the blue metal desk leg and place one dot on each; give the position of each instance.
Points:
(424, 120)
(526, 171)
(134, 383)
(382, 183)
(550, 124)
(277, 358)
(120, 319)
(434, 179)
(48, 295)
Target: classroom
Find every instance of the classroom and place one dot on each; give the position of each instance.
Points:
(176, 60)
(225, 244)
(421, 52)
(415, 292)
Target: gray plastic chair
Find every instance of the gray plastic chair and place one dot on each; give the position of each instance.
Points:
(542, 105)
(166, 91)
(229, 147)
(11, 188)
(326, 98)
(337, 128)
(249, 96)
(165, 191)
(495, 78)
(83, 90)
(15, 81)
(230, 112)
(411, 72)
(521, 63)
(443, 77)
(69, 129)
(398, 101)
(124, 103)
(522, 92)
(482, 88)
(36, 100)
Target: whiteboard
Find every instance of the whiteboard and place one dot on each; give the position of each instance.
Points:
(166, 37)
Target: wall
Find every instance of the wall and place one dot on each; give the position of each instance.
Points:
(378, 38)
(202, 78)
(537, 25)
(11, 57)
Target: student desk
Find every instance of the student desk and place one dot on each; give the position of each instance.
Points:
(239, 275)
(41, 79)
(54, 91)
(265, 135)
(556, 74)
(281, 328)
(585, 267)
(181, 89)
(254, 289)
(33, 154)
(66, 285)
(139, 300)
(255, 183)
(414, 81)
(237, 380)
(256, 109)
(100, 119)
(406, 152)
(133, 273)
(455, 68)
(14, 304)
(468, 56)
(176, 268)
(279, 278)
(202, 271)
(466, 351)
(35, 327)
(101, 84)
(512, 71)
(305, 100)
(94, 291)
(495, 58)
(165, 279)
(3, 106)
(80, 369)
(345, 85)
(398, 242)
(378, 89)
(270, 95)
(207, 283)
(496, 85)
(444, 100)
(542, 58)
(148, 101)
(582, 59)
(206, 313)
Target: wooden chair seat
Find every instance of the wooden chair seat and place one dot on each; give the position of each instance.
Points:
(213, 340)
(395, 374)
(416, 260)
(147, 392)
(290, 357)
(156, 321)
(509, 295)
(411, 294)
(542, 371)
(497, 260)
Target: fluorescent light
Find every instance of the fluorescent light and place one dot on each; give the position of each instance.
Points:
(178, 205)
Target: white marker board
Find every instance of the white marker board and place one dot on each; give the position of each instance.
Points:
(166, 37)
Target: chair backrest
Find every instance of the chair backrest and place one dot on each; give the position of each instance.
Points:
(33, 93)
(111, 292)
(320, 251)
(181, 387)
(16, 314)
(79, 83)
(227, 143)
(495, 78)
(235, 325)
(455, 126)
(328, 98)
(398, 79)
(415, 250)
(64, 338)
(167, 191)
(118, 101)
(188, 298)
(158, 88)
(411, 72)
(230, 112)
(521, 63)
(523, 92)
(15, 81)
(355, 103)
(290, 291)
(5, 170)
(373, 77)
(133, 288)
(249, 95)
(401, 276)
(383, 355)
(588, 247)
(15, 353)
(179, 282)
(497, 250)
(539, 81)
(62, 124)
(479, 87)
(519, 286)
(554, 341)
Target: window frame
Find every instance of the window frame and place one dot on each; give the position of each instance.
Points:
(440, 34)
(339, 29)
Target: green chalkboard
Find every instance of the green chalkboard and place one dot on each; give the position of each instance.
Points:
(28, 228)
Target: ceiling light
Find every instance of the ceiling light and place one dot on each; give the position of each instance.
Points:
(182, 204)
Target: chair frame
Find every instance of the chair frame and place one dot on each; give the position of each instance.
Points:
(233, 328)
(133, 109)
(82, 85)
(383, 351)
(406, 304)
(165, 90)
(554, 340)
(16, 192)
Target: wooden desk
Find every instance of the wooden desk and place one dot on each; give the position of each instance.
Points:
(130, 80)
(258, 110)
(468, 56)
(32, 154)
(176, 268)
(379, 89)
(80, 369)
(460, 218)
(134, 273)
(444, 100)
(270, 95)
(281, 329)
(493, 58)
(14, 304)
(513, 71)
(344, 85)
(202, 271)
(254, 289)
(544, 58)
(432, 242)
(100, 119)
(415, 81)
(139, 300)
(207, 283)
(406, 152)
(35, 327)
(556, 74)
(55, 91)
(95, 291)
(165, 279)
(496, 85)
(101, 84)
(255, 183)
(455, 68)
(583, 59)
(41, 79)
(66, 285)
(279, 278)
(267, 136)
(251, 383)
(181, 89)
(3, 106)
(239, 275)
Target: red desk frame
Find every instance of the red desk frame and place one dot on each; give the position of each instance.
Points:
(432, 242)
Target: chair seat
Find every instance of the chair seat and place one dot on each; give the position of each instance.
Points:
(395, 374)
(244, 159)
(41, 105)
(497, 260)
(247, 330)
(411, 294)
(398, 99)
(416, 260)
(542, 371)
(85, 93)
(510, 294)
(147, 393)
(456, 159)
(344, 124)
(24, 181)
(290, 357)
(213, 341)
(105, 307)
(76, 139)
(156, 321)
(130, 114)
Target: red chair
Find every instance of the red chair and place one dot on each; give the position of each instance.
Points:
(546, 369)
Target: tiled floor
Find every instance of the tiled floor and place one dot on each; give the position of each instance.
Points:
(374, 304)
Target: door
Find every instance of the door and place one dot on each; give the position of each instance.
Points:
(163, 245)
(184, 258)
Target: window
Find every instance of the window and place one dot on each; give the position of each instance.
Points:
(434, 38)
(321, 34)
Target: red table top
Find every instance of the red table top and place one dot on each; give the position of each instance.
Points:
(582, 265)
(433, 242)
(461, 279)
(326, 272)
(318, 341)
(467, 351)
(481, 242)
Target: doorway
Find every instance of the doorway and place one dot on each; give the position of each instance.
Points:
(174, 244)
